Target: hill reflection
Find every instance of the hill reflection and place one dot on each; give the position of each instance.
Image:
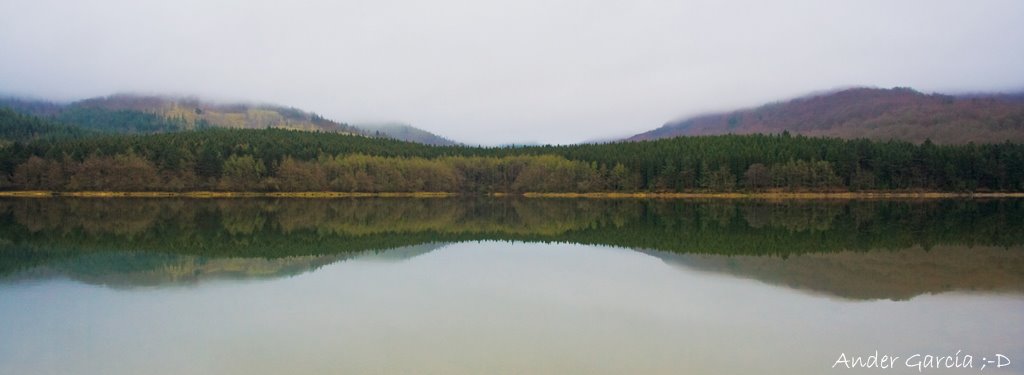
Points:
(864, 249)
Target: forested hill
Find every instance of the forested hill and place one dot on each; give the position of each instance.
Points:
(880, 114)
(193, 113)
(127, 113)
(17, 127)
(405, 132)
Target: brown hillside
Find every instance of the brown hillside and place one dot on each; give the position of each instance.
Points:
(220, 115)
(880, 114)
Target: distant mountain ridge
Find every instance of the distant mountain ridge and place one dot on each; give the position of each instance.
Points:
(879, 114)
(234, 115)
(406, 132)
(134, 113)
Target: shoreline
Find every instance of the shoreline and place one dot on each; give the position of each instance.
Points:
(607, 195)
(781, 195)
(214, 194)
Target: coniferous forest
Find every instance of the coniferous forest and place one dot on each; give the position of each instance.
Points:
(42, 154)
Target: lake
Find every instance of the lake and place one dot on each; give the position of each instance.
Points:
(520, 286)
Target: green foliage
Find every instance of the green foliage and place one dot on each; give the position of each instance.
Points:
(406, 133)
(16, 127)
(757, 177)
(119, 173)
(719, 180)
(814, 175)
(40, 174)
(118, 121)
(339, 162)
(242, 173)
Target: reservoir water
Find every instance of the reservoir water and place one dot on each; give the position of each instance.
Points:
(453, 286)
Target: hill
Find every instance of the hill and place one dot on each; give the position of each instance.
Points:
(18, 127)
(129, 113)
(895, 274)
(193, 113)
(408, 133)
(879, 114)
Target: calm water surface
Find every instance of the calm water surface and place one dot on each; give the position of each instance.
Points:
(505, 286)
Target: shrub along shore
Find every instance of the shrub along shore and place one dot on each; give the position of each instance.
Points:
(595, 195)
(275, 161)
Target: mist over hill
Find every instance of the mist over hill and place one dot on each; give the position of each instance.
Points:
(871, 113)
(133, 113)
(878, 114)
(406, 132)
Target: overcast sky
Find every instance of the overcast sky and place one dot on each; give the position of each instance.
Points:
(507, 71)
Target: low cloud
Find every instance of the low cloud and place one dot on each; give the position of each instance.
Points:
(509, 71)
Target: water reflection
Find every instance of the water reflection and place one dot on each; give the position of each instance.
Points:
(135, 269)
(487, 307)
(856, 250)
(877, 274)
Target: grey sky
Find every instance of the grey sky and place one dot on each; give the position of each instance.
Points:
(495, 72)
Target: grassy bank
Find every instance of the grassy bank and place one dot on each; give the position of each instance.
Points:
(215, 194)
(781, 195)
(606, 195)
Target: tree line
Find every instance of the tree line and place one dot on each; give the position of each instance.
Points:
(286, 160)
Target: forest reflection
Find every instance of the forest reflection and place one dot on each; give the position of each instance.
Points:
(950, 244)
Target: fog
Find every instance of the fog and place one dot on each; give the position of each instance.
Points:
(509, 71)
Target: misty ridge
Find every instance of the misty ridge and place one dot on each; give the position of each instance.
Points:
(143, 114)
(513, 73)
(878, 114)
(510, 186)
(149, 143)
(872, 113)
(504, 76)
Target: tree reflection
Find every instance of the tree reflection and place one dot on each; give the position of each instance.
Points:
(42, 231)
